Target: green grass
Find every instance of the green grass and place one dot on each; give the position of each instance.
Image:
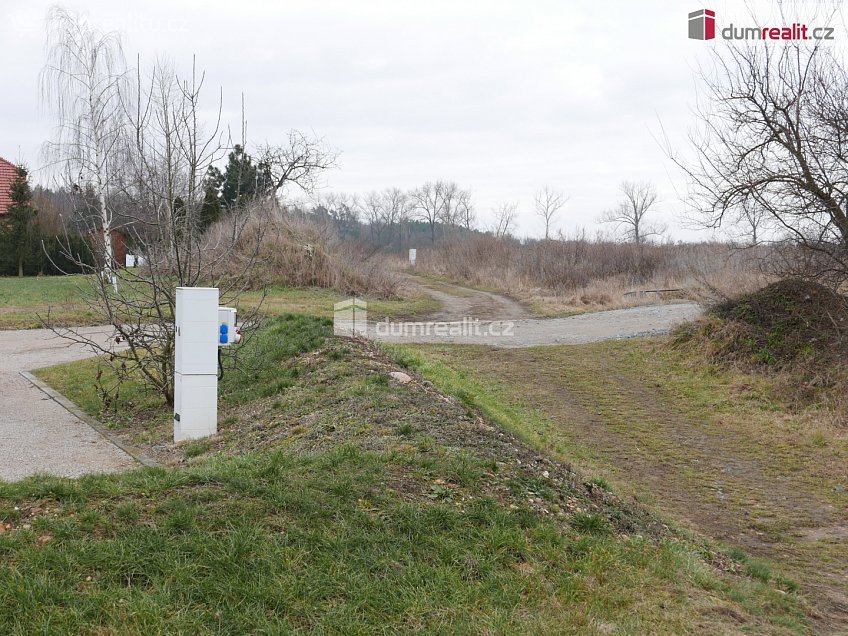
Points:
(478, 391)
(262, 372)
(716, 449)
(277, 542)
(337, 501)
(25, 302)
(319, 302)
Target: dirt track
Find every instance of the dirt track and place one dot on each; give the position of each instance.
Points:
(462, 302)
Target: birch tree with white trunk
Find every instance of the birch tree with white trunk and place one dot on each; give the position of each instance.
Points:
(81, 84)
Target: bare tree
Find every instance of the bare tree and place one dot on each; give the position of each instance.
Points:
(505, 215)
(630, 214)
(466, 215)
(341, 207)
(443, 203)
(450, 193)
(297, 162)
(157, 166)
(374, 212)
(457, 209)
(396, 211)
(772, 138)
(82, 83)
(548, 203)
(428, 204)
(753, 222)
(395, 205)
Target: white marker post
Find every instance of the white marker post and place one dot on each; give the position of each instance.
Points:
(196, 363)
(412, 254)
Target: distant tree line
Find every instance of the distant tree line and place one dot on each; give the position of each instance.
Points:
(395, 219)
(391, 218)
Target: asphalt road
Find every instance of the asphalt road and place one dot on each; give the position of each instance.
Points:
(37, 435)
(473, 316)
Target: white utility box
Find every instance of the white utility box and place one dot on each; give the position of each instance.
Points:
(196, 363)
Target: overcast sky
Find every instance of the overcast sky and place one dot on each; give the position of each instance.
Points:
(501, 97)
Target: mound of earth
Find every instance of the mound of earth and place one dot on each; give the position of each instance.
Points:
(783, 323)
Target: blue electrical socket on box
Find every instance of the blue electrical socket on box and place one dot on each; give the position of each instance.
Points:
(228, 333)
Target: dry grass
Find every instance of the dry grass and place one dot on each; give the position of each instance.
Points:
(571, 276)
(290, 251)
(795, 332)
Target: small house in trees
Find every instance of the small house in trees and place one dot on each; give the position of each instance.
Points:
(8, 174)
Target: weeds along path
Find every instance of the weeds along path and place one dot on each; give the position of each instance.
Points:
(504, 322)
(37, 435)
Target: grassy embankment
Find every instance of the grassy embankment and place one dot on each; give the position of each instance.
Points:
(338, 500)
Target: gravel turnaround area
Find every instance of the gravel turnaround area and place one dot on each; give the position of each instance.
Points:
(529, 332)
(37, 435)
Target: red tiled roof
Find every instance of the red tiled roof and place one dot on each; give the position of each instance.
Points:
(8, 174)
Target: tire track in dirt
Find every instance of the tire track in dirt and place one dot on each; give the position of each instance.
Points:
(459, 302)
(701, 475)
(706, 476)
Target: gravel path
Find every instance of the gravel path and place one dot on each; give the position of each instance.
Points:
(470, 316)
(37, 435)
(606, 325)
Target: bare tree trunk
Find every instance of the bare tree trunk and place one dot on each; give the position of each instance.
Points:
(108, 269)
(548, 203)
